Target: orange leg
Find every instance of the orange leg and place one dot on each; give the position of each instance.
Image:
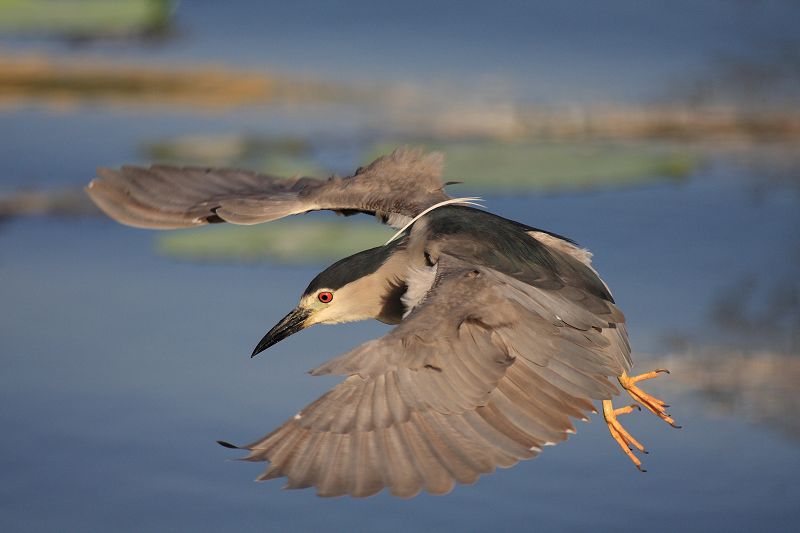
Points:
(653, 404)
(619, 434)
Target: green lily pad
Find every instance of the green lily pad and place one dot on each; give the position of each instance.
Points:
(553, 167)
(85, 17)
(283, 241)
(274, 156)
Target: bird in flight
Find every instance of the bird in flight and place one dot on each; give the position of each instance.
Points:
(504, 332)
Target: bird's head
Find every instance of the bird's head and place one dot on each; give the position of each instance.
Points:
(362, 286)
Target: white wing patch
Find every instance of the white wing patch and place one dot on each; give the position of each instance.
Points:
(419, 281)
(581, 254)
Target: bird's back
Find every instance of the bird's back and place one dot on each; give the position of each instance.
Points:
(513, 248)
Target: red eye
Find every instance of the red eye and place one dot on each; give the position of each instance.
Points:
(325, 297)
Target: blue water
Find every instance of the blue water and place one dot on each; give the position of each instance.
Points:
(119, 368)
(555, 51)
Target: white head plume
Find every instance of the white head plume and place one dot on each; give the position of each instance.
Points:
(457, 201)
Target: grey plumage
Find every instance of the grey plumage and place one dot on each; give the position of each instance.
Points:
(510, 338)
(480, 364)
(394, 188)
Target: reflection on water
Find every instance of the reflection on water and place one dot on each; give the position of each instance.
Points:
(775, 168)
(758, 312)
(755, 81)
(762, 388)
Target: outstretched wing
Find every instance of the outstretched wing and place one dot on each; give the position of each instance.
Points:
(395, 188)
(478, 376)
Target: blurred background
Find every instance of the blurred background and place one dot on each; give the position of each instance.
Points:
(661, 135)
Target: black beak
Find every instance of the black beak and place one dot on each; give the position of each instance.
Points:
(291, 323)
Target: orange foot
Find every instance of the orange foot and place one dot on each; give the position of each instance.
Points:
(619, 434)
(653, 404)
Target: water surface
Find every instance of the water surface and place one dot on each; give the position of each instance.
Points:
(121, 367)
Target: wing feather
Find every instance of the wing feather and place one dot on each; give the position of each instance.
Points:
(462, 386)
(333, 481)
(395, 188)
(404, 479)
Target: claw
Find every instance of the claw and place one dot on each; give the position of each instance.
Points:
(620, 434)
(653, 404)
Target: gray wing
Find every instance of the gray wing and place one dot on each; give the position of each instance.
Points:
(395, 188)
(479, 376)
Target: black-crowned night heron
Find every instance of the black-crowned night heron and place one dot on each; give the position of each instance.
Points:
(504, 331)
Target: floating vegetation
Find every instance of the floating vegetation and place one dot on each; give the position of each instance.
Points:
(230, 147)
(488, 166)
(84, 19)
(283, 241)
(550, 167)
(34, 79)
(64, 203)
(447, 114)
(275, 156)
(454, 116)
